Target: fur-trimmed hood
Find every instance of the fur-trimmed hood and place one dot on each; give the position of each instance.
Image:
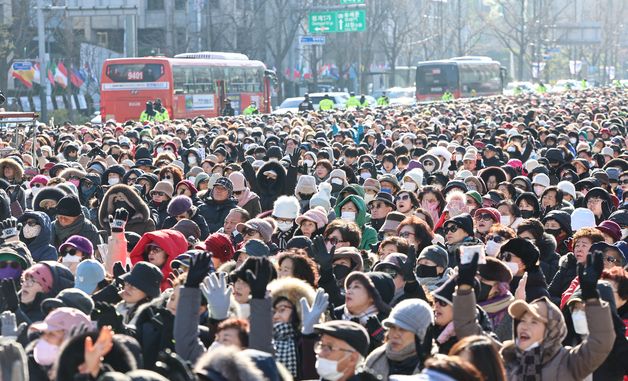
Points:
(269, 186)
(72, 172)
(8, 162)
(230, 363)
(292, 289)
(125, 192)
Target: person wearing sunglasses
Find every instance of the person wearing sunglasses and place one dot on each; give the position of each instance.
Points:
(247, 199)
(379, 208)
(74, 250)
(35, 185)
(458, 231)
(484, 219)
(256, 228)
(496, 237)
(521, 256)
(160, 196)
(171, 173)
(406, 203)
(182, 208)
(36, 234)
(13, 263)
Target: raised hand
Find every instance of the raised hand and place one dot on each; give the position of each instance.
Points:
(407, 267)
(9, 230)
(590, 273)
(199, 267)
(9, 297)
(312, 315)
(240, 151)
(218, 295)
(10, 329)
(118, 220)
(520, 293)
(295, 157)
(118, 271)
(466, 272)
(94, 352)
(321, 255)
(259, 280)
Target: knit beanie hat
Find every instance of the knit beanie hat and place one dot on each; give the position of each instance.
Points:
(42, 274)
(39, 179)
(372, 185)
(494, 213)
(524, 250)
(238, 180)
(582, 218)
(413, 315)
(201, 177)
(379, 285)
(179, 205)
(495, 270)
(189, 185)
(306, 185)
(219, 244)
(463, 221)
(163, 186)
(320, 199)
(445, 292)
(264, 227)
(475, 196)
(436, 254)
(188, 228)
(79, 243)
(226, 183)
(317, 215)
(338, 174)
(286, 207)
(69, 206)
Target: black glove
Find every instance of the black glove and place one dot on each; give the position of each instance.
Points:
(590, 274)
(9, 229)
(9, 296)
(199, 268)
(466, 272)
(118, 271)
(321, 255)
(240, 151)
(374, 328)
(118, 220)
(106, 314)
(259, 280)
(295, 157)
(108, 294)
(407, 267)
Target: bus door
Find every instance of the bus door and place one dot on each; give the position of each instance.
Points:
(221, 92)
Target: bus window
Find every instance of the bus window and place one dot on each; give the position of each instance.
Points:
(203, 80)
(134, 72)
(435, 79)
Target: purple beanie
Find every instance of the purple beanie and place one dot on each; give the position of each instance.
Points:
(81, 244)
(179, 205)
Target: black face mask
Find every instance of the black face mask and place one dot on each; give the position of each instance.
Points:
(336, 187)
(425, 271)
(527, 213)
(306, 196)
(485, 289)
(341, 271)
(554, 232)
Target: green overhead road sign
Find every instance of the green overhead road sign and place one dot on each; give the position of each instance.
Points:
(350, 2)
(337, 21)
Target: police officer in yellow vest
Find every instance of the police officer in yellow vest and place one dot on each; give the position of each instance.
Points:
(363, 101)
(326, 103)
(447, 96)
(352, 102)
(251, 110)
(161, 113)
(149, 114)
(383, 100)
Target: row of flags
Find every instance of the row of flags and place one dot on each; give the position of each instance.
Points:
(57, 73)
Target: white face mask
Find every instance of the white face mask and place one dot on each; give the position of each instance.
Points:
(192, 179)
(336, 181)
(113, 180)
(492, 248)
(505, 220)
(365, 175)
(409, 186)
(71, 259)
(45, 353)
(513, 267)
(34, 191)
(458, 157)
(191, 159)
(580, 325)
(160, 150)
(573, 140)
(308, 163)
(284, 226)
(328, 369)
(538, 190)
(31, 231)
(348, 216)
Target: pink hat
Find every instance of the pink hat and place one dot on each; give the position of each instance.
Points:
(238, 180)
(495, 215)
(515, 163)
(316, 215)
(39, 179)
(42, 275)
(62, 319)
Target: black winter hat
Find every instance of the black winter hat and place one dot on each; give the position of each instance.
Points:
(142, 153)
(495, 270)
(563, 218)
(524, 250)
(463, 221)
(445, 292)
(620, 217)
(146, 277)
(275, 152)
(379, 285)
(69, 206)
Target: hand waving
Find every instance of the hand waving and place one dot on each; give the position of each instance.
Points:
(312, 315)
(218, 295)
(590, 273)
(320, 253)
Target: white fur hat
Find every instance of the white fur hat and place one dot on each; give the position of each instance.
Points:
(286, 207)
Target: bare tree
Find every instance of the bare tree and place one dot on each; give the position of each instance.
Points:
(397, 30)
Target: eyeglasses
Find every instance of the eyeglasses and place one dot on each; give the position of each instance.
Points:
(594, 200)
(376, 205)
(158, 193)
(403, 197)
(237, 193)
(441, 303)
(506, 257)
(131, 180)
(495, 238)
(11, 264)
(406, 234)
(249, 232)
(450, 229)
(484, 217)
(623, 182)
(28, 281)
(284, 220)
(320, 348)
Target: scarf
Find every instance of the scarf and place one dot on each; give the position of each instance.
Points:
(247, 196)
(361, 318)
(447, 333)
(404, 353)
(284, 342)
(284, 237)
(497, 307)
(530, 364)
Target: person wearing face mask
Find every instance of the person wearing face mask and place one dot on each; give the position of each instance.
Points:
(74, 250)
(412, 180)
(305, 189)
(521, 256)
(353, 209)
(113, 175)
(371, 189)
(432, 267)
(380, 207)
(70, 221)
(118, 196)
(338, 180)
(528, 204)
(160, 196)
(557, 223)
(43, 352)
(73, 175)
(285, 211)
(341, 349)
(36, 233)
(191, 159)
(90, 194)
(35, 186)
(496, 237)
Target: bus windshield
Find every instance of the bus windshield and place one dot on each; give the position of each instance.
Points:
(435, 79)
(137, 72)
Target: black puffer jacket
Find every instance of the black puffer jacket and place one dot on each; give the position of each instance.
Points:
(215, 212)
(549, 258)
(567, 271)
(269, 190)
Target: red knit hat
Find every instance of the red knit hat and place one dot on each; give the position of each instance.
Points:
(219, 244)
(40, 274)
(188, 184)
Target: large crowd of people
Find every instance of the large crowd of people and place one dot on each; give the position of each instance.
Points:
(479, 239)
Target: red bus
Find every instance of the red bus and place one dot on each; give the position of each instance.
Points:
(189, 85)
(463, 77)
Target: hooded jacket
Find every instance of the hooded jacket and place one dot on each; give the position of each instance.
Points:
(269, 190)
(548, 258)
(39, 246)
(139, 221)
(18, 170)
(171, 241)
(369, 235)
(566, 363)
